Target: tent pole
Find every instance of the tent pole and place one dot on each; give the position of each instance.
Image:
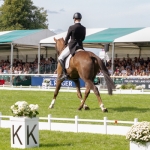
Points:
(11, 63)
(140, 52)
(46, 52)
(112, 60)
(39, 51)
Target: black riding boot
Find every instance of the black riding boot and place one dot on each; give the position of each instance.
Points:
(64, 76)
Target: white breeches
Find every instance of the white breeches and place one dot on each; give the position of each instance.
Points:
(64, 53)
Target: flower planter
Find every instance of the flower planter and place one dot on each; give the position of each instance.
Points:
(45, 85)
(128, 91)
(24, 132)
(137, 146)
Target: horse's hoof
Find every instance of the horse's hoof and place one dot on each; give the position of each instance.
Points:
(79, 108)
(51, 106)
(105, 110)
(86, 108)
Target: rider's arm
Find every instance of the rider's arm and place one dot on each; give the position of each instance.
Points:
(68, 36)
(84, 34)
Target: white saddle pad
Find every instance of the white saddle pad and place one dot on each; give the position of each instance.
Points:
(69, 57)
(67, 61)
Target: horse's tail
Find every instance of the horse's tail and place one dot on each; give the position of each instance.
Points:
(109, 81)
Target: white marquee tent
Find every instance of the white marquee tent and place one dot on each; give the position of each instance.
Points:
(22, 39)
(122, 41)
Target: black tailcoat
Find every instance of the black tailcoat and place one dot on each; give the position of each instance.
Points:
(77, 33)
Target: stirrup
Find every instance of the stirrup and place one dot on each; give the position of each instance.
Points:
(64, 76)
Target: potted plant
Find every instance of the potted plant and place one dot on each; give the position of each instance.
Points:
(23, 109)
(24, 125)
(46, 83)
(46, 80)
(139, 136)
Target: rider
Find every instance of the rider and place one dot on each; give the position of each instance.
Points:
(77, 33)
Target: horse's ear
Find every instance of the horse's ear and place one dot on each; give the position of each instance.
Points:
(55, 39)
(62, 38)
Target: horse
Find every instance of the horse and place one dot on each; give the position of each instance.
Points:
(85, 65)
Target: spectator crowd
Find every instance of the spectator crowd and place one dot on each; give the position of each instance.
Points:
(129, 67)
(122, 67)
(47, 65)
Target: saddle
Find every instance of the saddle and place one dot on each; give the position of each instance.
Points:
(67, 60)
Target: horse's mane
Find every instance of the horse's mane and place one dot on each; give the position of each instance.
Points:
(60, 45)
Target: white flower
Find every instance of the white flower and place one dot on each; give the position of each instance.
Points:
(34, 107)
(22, 108)
(46, 80)
(139, 133)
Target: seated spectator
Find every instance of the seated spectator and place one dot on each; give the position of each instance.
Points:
(25, 71)
(100, 73)
(1, 71)
(116, 73)
(123, 71)
(109, 70)
(16, 70)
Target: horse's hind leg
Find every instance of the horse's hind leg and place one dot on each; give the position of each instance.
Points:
(77, 83)
(58, 85)
(91, 86)
(101, 105)
(96, 92)
(87, 91)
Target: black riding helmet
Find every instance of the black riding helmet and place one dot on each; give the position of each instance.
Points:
(77, 16)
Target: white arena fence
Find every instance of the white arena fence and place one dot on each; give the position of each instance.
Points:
(104, 126)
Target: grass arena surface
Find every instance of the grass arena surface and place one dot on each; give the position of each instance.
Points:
(120, 107)
(50, 140)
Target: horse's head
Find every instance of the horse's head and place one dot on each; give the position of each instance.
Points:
(60, 45)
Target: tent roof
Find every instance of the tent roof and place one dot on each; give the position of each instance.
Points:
(110, 35)
(142, 35)
(123, 37)
(50, 40)
(25, 37)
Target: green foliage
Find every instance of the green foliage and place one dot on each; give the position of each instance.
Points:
(128, 86)
(22, 14)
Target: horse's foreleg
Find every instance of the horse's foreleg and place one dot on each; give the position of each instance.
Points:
(77, 83)
(58, 85)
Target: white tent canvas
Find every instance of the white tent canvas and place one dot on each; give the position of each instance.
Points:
(50, 40)
(142, 35)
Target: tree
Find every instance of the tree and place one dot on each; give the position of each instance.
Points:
(22, 14)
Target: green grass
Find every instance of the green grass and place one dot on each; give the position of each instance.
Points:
(70, 141)
(120, 107)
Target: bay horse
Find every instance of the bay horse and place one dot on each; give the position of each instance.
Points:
(84, 65)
